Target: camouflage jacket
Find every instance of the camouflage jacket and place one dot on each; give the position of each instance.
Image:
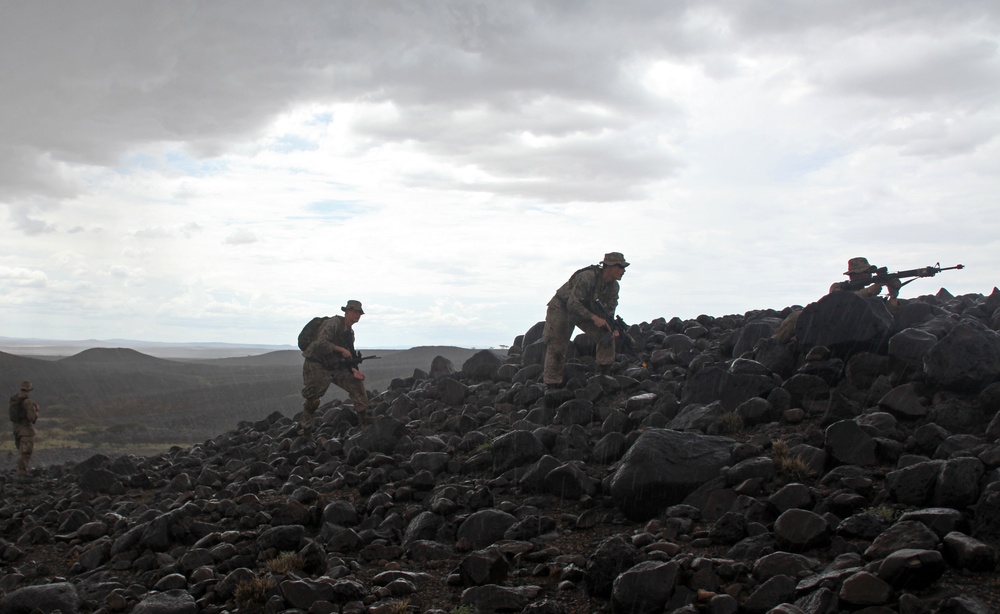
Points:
(333, 332)
(577, 295)
(29, 407)
(872, 290)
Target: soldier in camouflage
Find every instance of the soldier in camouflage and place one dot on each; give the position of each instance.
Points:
(859, 271)
(24, 414)
(573, 307)
(328, 359)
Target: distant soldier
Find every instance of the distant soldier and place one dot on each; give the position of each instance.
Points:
(858, 270)
(24, 414)
(331, 358)
(573, 307)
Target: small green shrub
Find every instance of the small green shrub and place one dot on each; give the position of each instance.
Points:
(885, 513)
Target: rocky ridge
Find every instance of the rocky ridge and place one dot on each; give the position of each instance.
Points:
(852, 468)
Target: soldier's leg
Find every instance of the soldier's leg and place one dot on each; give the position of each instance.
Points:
(25, 445)
(556, 334)
(786, 330)
(309, 407)
(355, 389)
(315, 382)
(605, 354)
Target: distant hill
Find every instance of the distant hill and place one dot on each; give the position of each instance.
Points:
(111, 357)
(122, 397)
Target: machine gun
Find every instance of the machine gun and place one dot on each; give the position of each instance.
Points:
(618, 325)
(355, 362)
(883, 277)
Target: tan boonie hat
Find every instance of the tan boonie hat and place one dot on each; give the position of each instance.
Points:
(858, 265)
(355, 305)
(26, 386)
(614, 258)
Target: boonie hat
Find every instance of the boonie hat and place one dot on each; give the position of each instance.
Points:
(26, 386)
(858, 265)
(614, 258)
(355, 305)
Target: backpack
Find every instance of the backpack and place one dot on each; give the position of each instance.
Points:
(310, 331)
(17, 413)
(594, 267)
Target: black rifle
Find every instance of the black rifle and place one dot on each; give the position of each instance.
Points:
(618, 325)
(357, 359)
(883, 277)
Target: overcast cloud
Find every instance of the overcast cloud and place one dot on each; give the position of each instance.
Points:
(224, 170)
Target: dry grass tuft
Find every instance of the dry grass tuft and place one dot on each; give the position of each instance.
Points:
(730, 423)
(251, 595)
(285, 563)
(789, 465)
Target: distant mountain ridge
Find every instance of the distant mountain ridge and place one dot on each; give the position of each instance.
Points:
(120, 396)
(159, 349)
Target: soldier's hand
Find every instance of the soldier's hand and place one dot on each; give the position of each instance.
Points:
(358, 375)
(346, 353)
(600, 322)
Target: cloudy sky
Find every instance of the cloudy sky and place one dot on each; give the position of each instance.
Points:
(224, 170)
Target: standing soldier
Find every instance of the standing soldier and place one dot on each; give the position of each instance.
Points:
(24, 414)
(573, 306)
(331, 358)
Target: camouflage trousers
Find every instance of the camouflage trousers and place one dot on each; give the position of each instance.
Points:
(316, 380)
(24, 440)
(557, 333)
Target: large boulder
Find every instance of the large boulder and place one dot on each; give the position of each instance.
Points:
(55, 597)
(663, 466)
(482, 365)
(846, 323)
(967, 358)
(745, 379)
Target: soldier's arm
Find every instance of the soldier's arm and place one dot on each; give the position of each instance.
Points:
(326, 346)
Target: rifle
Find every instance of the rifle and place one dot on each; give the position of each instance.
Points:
(618, 325)
(355, 362)
(883, 277)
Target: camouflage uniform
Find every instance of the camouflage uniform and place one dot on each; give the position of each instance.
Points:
(24, 429)
(786, 330)
(572, 307)
(324, 365)
(859, 266)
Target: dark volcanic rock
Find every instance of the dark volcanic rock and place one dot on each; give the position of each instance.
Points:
(662, 467)
(967, 358)
(854, 468)
(845, 323)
